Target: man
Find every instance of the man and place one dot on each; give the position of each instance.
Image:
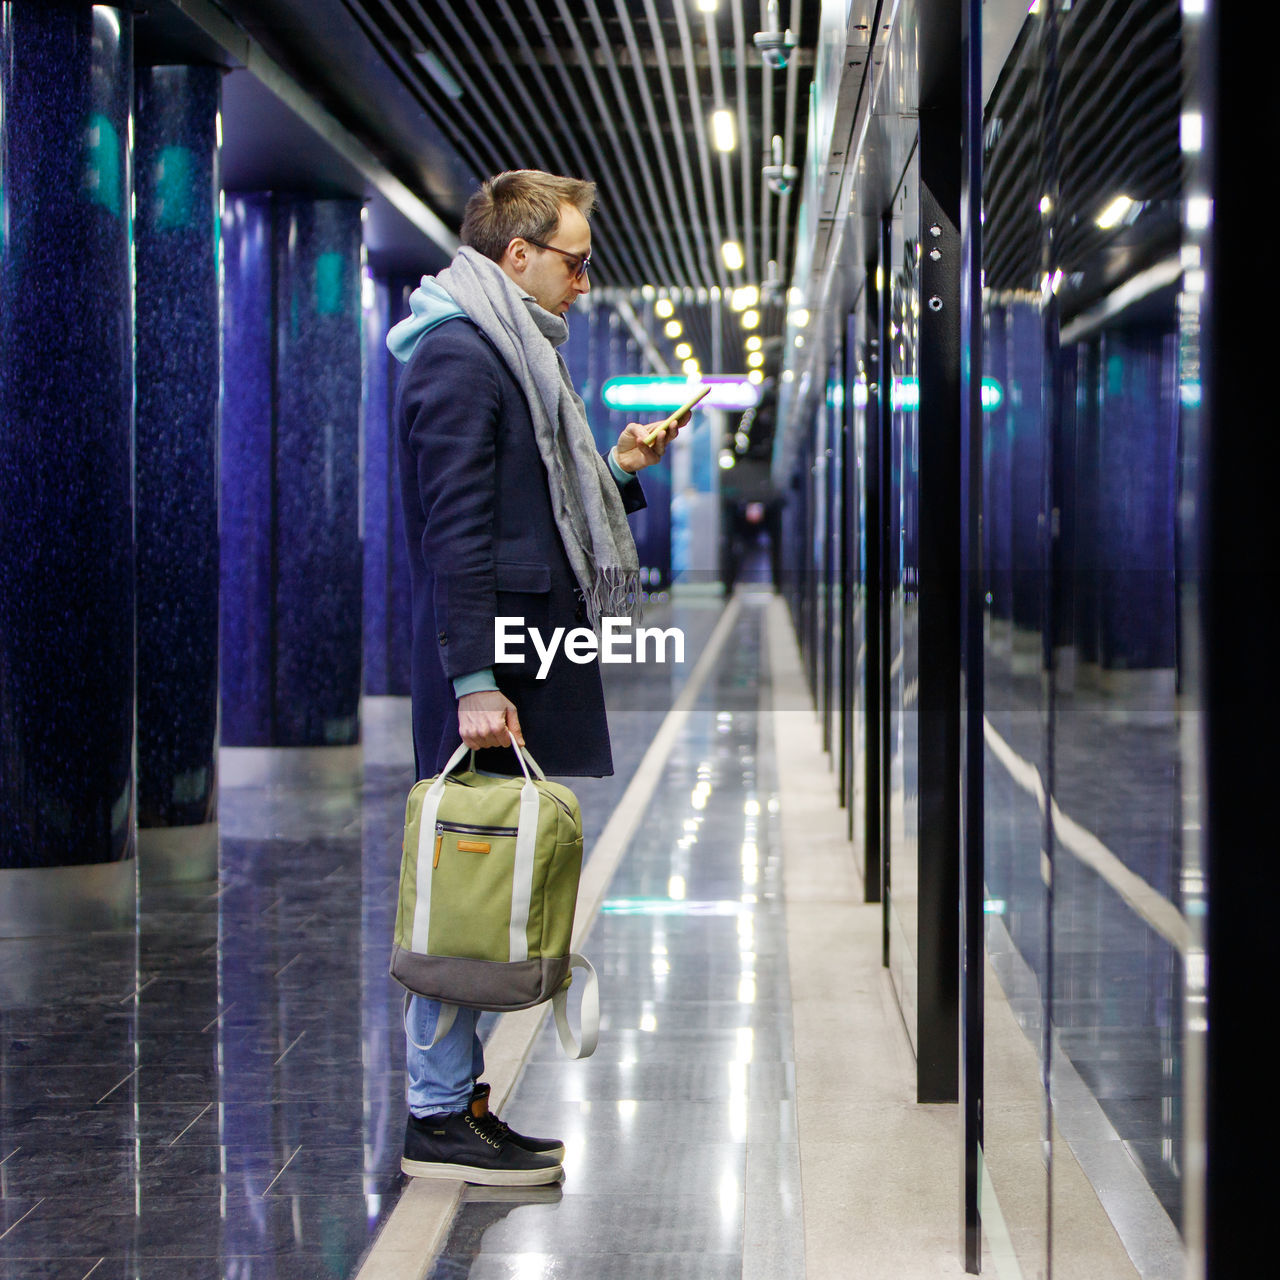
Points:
(509, 511)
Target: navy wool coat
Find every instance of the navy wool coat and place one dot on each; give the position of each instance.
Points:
(482, 543)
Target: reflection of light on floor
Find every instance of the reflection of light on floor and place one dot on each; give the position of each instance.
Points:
(532, 1266)
(730, 1197)
(676, 888)
(668, 907)
(746, 1044)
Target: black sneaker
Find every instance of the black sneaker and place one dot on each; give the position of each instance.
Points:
(539, 1146)
(471, 1149)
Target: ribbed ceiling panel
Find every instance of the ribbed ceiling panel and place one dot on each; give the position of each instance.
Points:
(621, 92)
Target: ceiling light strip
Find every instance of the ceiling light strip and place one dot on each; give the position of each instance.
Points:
(717, 95)
(604, 116)
(623, 247)
(698, 124)
(653, 189)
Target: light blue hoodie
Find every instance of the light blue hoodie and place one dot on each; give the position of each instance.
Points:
(429, 305)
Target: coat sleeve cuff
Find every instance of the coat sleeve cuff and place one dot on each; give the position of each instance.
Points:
(474, 682)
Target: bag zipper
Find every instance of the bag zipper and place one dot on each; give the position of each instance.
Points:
(467, 829)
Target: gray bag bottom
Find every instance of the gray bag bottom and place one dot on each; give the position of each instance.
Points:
(496, 985)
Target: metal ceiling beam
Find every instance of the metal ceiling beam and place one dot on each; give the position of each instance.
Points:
(766, 127)
(700, 136)
(555, 161)
(649, 179)
(788, 142)
(549, 160)
(717, 97)
(250, 54)
(549, 97)
(664, 192)
(701, 274)
(410, 78)
(744, 141)
(645, 251)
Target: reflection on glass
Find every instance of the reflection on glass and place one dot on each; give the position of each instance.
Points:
(1083, 805)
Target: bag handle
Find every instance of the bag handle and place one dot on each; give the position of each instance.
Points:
(586, 1046)
(522, 755)
(574, 1049)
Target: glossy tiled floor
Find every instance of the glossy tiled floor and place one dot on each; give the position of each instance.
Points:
(220, 1092)
(682, 1158)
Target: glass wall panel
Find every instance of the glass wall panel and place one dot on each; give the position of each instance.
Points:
(1085, 936)
(901, 593)
(836, 566)
(1016, 1112)
(862, 782)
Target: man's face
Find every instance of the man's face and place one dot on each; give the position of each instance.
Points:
(547, 275)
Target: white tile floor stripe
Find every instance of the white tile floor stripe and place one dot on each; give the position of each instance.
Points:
(417, 1228)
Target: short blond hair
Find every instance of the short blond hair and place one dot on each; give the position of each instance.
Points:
(521, 202)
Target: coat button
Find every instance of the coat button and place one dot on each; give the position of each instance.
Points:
(443, 638)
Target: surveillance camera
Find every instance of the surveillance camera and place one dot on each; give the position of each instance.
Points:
(780, 177)
(775, 47)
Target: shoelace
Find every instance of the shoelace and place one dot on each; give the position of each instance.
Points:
(487, 1126)
(502, 1127)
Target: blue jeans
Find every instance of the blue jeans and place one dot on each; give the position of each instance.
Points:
(440, 1079)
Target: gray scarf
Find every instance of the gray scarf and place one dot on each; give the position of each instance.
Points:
(584, 495)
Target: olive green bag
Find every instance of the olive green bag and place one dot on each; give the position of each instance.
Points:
(488, 888)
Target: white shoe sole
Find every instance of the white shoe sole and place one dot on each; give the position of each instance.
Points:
(481, 1177)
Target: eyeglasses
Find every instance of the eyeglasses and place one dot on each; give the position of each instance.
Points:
(581, 261)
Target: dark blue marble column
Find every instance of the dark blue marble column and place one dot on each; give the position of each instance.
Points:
(66, 484)
(1138, 420)
(178, 378)
(247, 474)
(292, 572)
(387, 610)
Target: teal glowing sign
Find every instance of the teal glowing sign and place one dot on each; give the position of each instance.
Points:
(655, 394)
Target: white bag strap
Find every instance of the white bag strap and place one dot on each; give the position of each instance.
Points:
(444, 1023)
(572, 1047)
(585, 1047)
